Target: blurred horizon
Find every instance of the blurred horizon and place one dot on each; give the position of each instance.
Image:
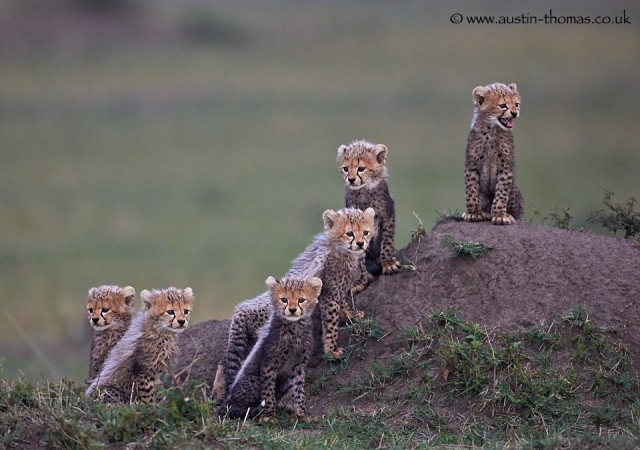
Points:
(193, 143)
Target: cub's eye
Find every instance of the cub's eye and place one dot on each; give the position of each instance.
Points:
(503, 105)
(360, 169)
(105, 310)
(302, 300)
(284, 300)
(349, 233)
(345, 169)
(517, 105)
(90, 310)
(365, 232)
(186, 312)
(171, 312)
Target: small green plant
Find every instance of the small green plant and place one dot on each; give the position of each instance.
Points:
(416, 334)
(619, 217)
(419, 232)
(463, 248)
(560, 218)
(359, 331)
(445, 319)
(449, 216)
(416, 235)
(579, 316)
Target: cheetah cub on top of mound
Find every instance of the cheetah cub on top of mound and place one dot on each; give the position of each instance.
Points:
(490, 191)
(251, 314)
(364, 168)
(147, 349)
(109, 310)
(276, 365)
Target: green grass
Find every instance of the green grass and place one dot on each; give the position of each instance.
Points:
(566, 383)
(448, 382)
(195, 158)
(464, 248)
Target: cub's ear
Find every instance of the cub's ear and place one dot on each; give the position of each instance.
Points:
(271, 282)
(341, 150)
(370, 213)
(513, 87)
(92, 292)
(329, 218)
(381, 152)
(147, 299)
(129, 295)
(478, 94)
(187, 294)
(316, 285)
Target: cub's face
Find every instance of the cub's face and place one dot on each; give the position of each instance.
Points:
(294, 298)
(170, 308)
(497, 102)
(362, 164)
(352, 228)
(109, 306)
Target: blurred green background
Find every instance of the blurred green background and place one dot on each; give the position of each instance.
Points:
(158, 143)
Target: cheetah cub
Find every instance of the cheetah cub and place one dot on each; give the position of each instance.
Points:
(251, 314)
(490, 191)
(364, 168)
(276, 365)
(109, 310)
(147, 349)
(350, 230)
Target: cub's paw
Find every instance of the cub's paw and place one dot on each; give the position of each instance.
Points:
(475, 217)
(300, 412)
(357, 288)
(308, 419)
(334, 354)
(358, 315)
(503, 219)
(391, 267)
(352, 315)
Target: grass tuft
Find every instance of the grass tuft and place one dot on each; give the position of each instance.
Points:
(449, 216)
(464, 248)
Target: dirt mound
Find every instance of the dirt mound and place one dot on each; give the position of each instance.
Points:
(201, 347)
(532, 275)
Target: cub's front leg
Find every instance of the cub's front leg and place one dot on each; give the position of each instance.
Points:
(364, 279)
(299, 397)
(268, 373)
(472, 197)
(388, 259)
(330, 312)
(499, 214)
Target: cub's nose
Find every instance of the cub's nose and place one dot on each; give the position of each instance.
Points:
(95, 320)
(181, 322)
(514, 114)
(292, 310)
(360, 244)
(351, 180)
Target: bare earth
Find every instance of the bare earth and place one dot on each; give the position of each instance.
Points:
(535, 274)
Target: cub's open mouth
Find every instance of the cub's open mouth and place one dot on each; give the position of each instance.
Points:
(506, 122)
